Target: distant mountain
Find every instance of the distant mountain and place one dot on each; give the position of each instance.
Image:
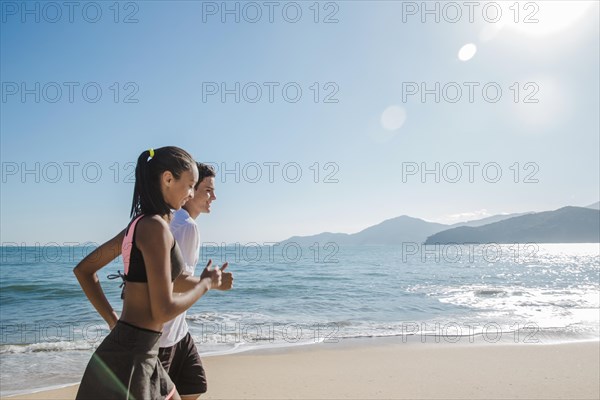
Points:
(489, 220)
(339, 238)
(392, 231)
(405, 229)
(595, 206)
(397, 230)
(565, 225)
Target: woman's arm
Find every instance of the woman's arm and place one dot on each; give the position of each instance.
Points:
(85, 272)
(154, 239)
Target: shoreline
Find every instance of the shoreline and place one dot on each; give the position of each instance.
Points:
(386, 367)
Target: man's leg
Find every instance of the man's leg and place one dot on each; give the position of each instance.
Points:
(186, 370)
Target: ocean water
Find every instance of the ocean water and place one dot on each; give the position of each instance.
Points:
(290, 296)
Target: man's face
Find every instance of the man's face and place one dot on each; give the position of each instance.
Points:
(205, 194)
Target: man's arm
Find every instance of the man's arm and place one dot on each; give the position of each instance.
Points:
(186, 236)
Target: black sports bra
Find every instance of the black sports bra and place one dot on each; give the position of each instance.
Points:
(135, 267)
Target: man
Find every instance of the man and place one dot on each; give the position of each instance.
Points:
(178, 353)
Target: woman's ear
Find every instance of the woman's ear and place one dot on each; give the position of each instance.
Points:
(167, 178)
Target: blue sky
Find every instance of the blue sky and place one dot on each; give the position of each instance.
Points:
(363, 64)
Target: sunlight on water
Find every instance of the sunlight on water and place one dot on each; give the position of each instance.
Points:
(569, 249)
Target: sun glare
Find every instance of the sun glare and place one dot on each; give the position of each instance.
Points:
(393, 118)
(467, 52)
(546, 17)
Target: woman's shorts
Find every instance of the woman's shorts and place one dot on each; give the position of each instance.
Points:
(126, 366)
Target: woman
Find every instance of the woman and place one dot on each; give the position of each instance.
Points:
(125, 365)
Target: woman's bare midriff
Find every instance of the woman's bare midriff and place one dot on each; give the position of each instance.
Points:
(136, 307)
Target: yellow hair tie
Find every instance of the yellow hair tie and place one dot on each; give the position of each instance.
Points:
(151, 152)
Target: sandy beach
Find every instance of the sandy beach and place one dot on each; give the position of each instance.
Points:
(384, 369)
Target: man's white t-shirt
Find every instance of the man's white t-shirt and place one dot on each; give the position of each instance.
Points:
(186, 234)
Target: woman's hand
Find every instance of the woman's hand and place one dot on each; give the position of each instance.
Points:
(113, 321)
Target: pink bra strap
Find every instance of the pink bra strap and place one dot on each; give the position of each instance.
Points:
(128, 243)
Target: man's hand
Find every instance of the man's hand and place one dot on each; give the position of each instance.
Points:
(218, 279)
(226, 278)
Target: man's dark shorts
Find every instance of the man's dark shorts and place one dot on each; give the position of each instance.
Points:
(184, 366)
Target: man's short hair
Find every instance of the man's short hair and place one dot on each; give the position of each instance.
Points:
(204, 171)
